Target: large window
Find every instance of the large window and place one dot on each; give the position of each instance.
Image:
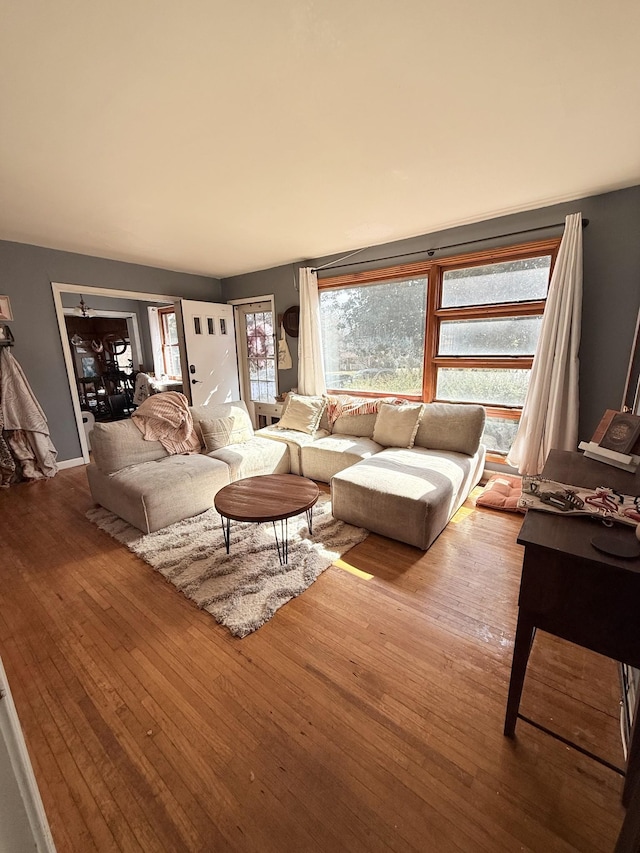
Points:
(460, 329)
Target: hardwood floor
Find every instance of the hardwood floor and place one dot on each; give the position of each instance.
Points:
(365, 716)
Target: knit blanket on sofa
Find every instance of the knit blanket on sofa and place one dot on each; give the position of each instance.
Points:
(166, 418)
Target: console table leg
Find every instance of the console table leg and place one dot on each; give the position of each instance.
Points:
(525, 632)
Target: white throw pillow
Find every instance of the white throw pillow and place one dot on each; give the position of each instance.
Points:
(217, 433)
(302, 413)
(396, 426)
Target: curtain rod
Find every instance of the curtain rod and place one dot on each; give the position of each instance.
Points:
(431, 252)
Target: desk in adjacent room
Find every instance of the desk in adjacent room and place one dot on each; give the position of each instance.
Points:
(572, 590)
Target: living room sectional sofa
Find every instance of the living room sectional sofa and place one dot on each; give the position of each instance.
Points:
(407, 493)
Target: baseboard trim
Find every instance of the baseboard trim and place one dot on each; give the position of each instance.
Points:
(71, 463)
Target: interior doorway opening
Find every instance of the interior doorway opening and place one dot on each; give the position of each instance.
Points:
(136, 347)
(104, 364)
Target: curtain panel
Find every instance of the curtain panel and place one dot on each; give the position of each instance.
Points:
(550, 412)
(311, 379)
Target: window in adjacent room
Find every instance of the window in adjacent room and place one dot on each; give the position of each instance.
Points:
(169, 342)
(460, 329)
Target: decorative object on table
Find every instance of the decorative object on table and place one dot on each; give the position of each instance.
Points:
(5, 308)
(502, 492)
(601, 503)
(609, 542)
(594, 449)
(284, 356)
(622, 433)
(244, 589)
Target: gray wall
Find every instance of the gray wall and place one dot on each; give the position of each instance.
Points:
(282, 282)
(611, 284)
(26, 273)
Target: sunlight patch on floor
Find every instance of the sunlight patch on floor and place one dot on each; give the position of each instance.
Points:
(462, 513)
(347, 567)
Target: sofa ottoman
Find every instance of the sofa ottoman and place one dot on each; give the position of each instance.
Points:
(407, 494)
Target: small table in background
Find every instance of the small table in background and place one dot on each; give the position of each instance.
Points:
(270, 497)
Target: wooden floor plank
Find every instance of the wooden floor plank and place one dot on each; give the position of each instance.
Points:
(365, 716)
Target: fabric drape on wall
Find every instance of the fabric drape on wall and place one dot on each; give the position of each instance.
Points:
(25, 423)
(550, 414)
(311, 378)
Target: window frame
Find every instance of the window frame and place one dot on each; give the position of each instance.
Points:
(164, 344)
(433, 270)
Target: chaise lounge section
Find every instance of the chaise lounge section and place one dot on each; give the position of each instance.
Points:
(401, 471)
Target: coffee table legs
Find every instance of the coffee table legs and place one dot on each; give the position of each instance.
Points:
(226, 524)
(282, 544)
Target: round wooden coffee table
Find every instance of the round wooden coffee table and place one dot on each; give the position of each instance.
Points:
(270, 497)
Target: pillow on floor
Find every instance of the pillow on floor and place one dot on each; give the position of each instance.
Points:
(502, 492)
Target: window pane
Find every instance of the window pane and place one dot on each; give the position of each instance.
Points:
(499, 434)
(511, 281)
(504, 336)
(261, 356)
(373, 336)
(498, 387)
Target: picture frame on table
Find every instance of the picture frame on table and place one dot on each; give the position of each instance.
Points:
(5, 309)
(622, 433)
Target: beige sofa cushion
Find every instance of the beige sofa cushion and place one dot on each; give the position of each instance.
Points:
(325, 457)
(451, 426)
(253, 458)
(358, 425)
(295, 441)
(396, 426)
(119, 444)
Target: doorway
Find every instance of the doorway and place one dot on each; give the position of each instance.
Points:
(134, 309)
(104, 354)
(255, 323)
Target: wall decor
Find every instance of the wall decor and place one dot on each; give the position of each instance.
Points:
(5, 308)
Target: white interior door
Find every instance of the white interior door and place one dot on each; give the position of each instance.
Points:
(207, 352)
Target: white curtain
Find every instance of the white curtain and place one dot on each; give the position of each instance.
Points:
(310, 364)
(550, 413)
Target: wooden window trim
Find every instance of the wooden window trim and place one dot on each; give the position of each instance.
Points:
(433, 270)
(162, 312)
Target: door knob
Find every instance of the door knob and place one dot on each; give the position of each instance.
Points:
(194, 381)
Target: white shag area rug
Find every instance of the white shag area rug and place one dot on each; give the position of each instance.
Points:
(241, 590)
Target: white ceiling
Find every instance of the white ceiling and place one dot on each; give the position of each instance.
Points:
(221, 138)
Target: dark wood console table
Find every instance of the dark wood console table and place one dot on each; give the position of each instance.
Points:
(572, 590)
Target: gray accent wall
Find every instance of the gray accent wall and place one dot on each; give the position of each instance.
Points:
(611, 296)
(26, 274)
